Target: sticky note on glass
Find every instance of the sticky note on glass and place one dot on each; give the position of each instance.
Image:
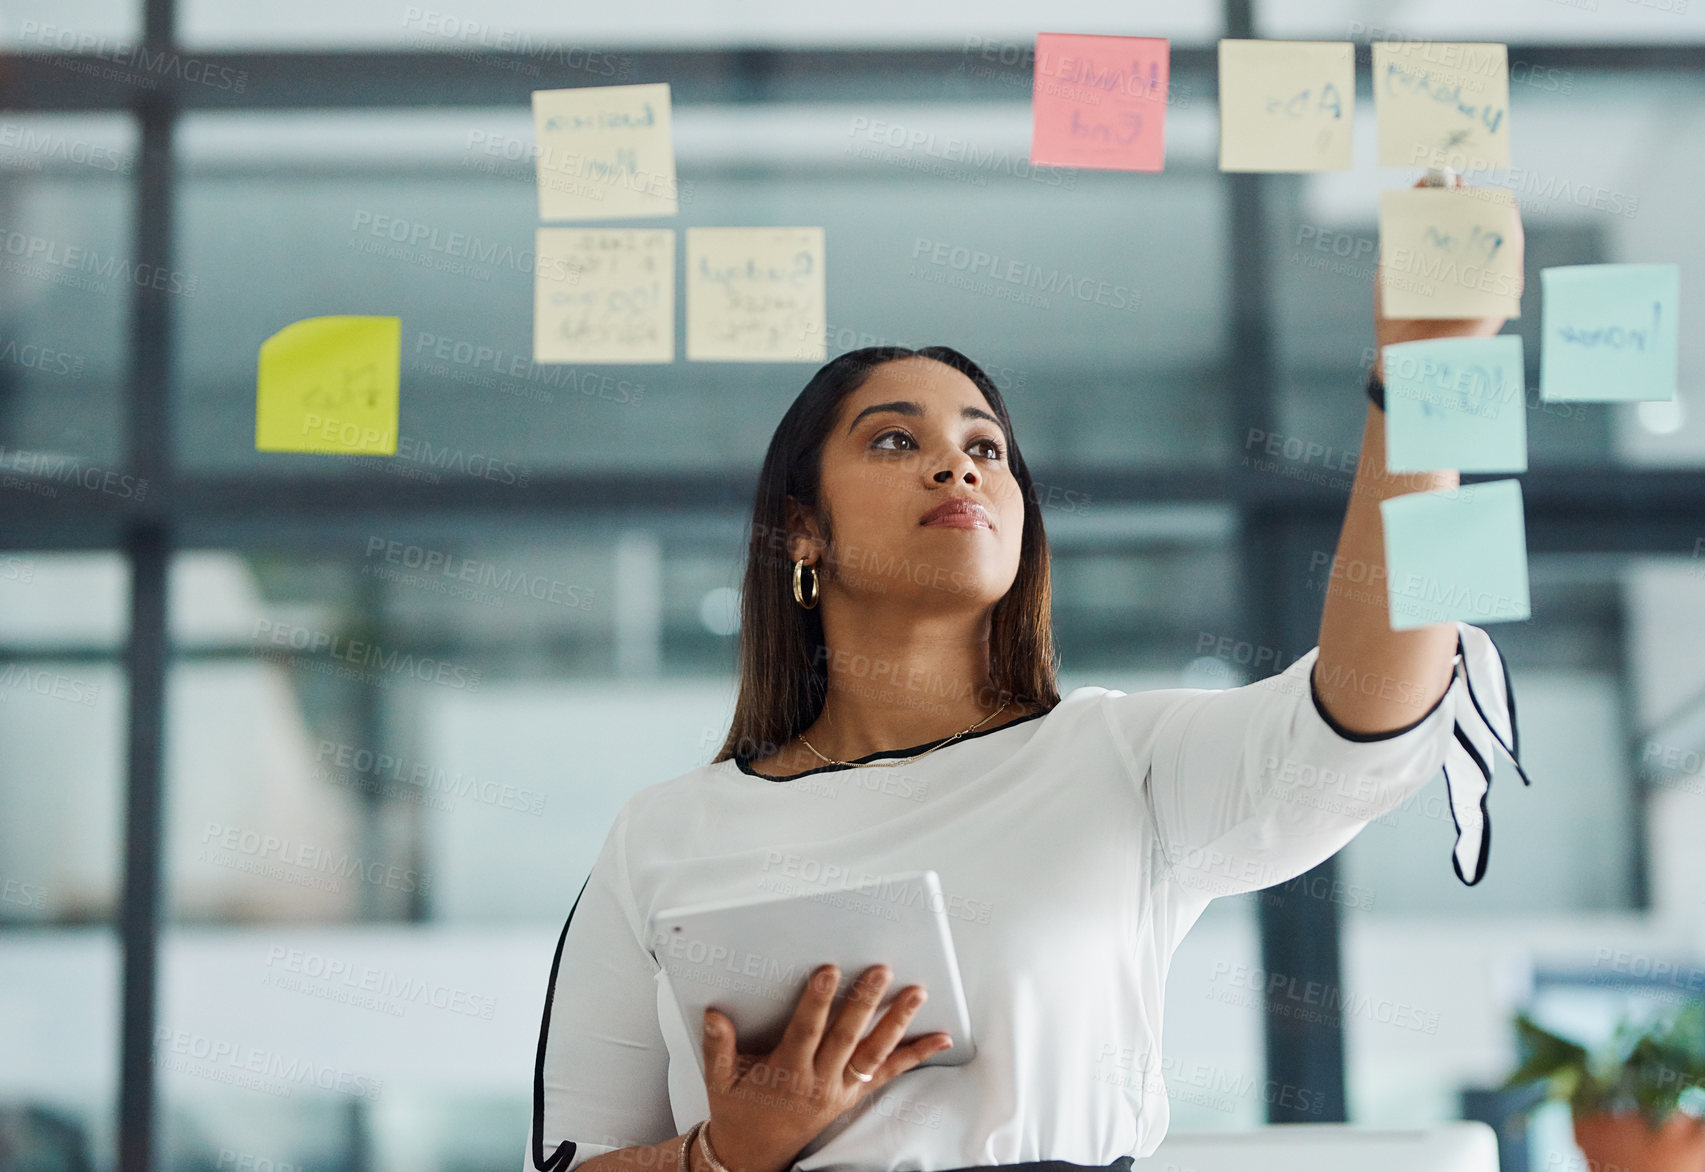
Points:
(329, 384)
(604, 295)
(756, 295)
(1446, 252)
(1609, 332)
(1442, 104)
(1459, 554)
(1456, 403)
(605, 152)
(1099, 102)
(1286, 105)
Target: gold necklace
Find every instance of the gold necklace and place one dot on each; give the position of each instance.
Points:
(913, 757)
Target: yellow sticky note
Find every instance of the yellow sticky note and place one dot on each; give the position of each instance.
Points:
(1446, 252)
(1442, 104)
(605, 152)
(756, 295)
(329, 384)
(1287, 105)
(604, 295)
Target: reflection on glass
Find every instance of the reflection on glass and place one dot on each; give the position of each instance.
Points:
(68, 270)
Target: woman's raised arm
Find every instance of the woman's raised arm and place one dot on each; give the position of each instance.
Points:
(1370, 678)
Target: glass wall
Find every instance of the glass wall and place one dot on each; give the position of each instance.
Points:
(366, 859)
(63, 623)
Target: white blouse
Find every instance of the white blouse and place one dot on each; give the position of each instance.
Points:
(1075, 848)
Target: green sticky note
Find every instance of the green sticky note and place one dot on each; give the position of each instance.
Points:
(1456, 403)
(329, 384)
(1456, 554)
(1609, 333)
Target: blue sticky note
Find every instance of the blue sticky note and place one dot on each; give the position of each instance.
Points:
(1456, 403)
(1456, 554)
(1609, 333)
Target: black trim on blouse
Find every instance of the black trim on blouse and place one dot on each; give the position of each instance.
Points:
(1481, 764)
(566, 1149)
(1475, 757)
(745, 761)
(1314, 694)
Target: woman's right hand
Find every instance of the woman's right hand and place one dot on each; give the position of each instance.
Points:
(765, 1108)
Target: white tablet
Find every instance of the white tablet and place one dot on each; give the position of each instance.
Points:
(752, 958)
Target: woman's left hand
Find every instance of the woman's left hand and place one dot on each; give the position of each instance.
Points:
(1387, 330)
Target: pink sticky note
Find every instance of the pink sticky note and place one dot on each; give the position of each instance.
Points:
(1099, 102)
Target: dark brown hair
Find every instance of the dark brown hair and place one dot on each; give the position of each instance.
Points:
(783, 660)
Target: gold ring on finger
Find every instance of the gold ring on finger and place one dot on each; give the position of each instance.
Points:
(857, 1073)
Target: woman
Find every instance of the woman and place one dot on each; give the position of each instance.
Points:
(898, 711)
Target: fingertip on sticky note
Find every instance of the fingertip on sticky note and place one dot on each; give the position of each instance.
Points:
(1449, 253)
(330, 384)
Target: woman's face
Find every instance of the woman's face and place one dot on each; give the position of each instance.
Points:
(916, 434)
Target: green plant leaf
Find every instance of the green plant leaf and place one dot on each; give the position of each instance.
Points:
(1548, 1057)
(1653, 1067)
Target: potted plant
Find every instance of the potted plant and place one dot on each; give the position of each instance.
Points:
(1637, 1102)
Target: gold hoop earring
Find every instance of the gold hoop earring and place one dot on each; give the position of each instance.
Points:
(798, 585)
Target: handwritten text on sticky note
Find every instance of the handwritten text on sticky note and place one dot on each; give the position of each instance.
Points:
(1286, 105)
(330, 384)
(1455, 403)
(1442, 104)
(604, 295)
(1609, 332)
(1449, 252)
(1100, 102)
(1458, 554)
(756, 295)
(605, 152)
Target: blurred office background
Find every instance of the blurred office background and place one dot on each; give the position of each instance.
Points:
(361, 877)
